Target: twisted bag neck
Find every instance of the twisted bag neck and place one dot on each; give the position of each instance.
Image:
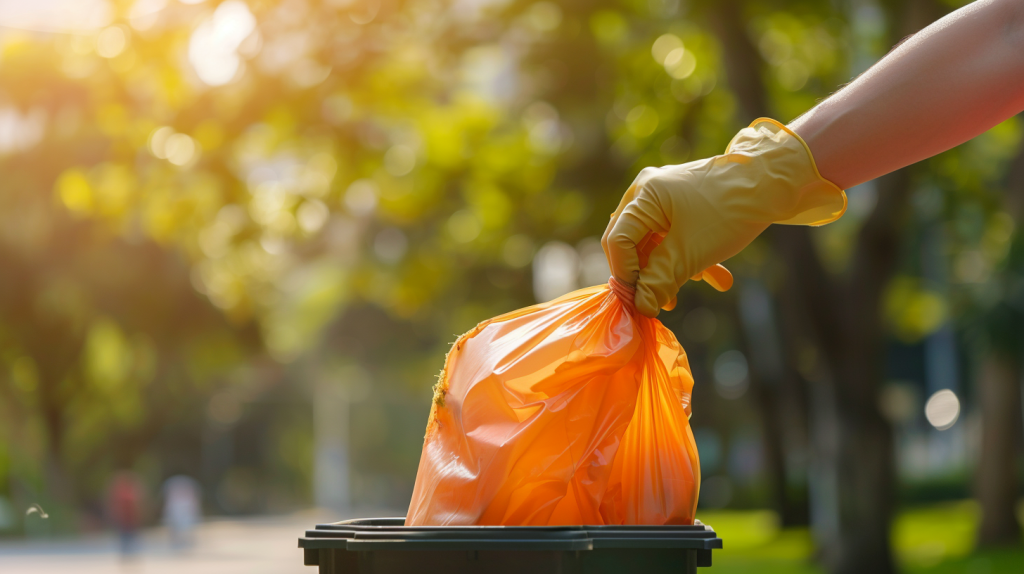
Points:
(624, 292)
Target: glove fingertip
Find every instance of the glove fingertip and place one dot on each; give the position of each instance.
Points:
(718, 277)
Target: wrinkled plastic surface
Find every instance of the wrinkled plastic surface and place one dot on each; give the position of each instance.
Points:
(575, 411)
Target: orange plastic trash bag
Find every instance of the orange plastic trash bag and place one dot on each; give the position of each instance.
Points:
(575, 411)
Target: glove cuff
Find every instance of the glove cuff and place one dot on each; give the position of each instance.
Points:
(811, 199)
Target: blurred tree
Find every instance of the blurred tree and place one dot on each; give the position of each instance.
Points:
(855, 472)
(845, 317)
(997, 481)
(352, 184)
(776, 380)
(284, 160)
(104, 341)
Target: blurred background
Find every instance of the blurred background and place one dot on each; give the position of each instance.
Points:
(238, 237)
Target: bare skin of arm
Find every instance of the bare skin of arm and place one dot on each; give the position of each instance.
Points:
(946, 84)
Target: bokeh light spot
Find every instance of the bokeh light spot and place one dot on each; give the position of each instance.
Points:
(463, 226)
(665, 45)
(680, 63)
(180, 149)
(75, 191)
(942, 409)
(544, 16)
(642, 121)
(792, 74)
(731, 372)
(399, 160)
(361, 197)
(158, 142)
(594, 269)
(555, 271)
(312, 215)
(213, 47)
(111, 42)
(145, 14)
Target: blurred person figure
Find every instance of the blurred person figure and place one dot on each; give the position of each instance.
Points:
(182, 509)
(125, 510)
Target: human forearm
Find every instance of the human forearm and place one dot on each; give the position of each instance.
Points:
(945, 85)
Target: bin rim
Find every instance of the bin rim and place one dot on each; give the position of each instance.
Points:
(391, 534)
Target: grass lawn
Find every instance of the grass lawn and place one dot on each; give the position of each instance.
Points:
(936, 539)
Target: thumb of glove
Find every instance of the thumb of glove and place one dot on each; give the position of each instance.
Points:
(717, 276)
(657, 287)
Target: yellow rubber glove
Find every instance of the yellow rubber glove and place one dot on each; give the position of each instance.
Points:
(686, 219)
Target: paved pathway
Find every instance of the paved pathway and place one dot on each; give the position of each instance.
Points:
(251, 546)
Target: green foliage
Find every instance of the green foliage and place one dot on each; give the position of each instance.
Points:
(366, 186)
(929, 539)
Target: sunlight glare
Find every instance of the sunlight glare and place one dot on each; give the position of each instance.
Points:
(213, 48)
(55, 15)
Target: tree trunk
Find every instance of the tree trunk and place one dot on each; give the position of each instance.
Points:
(996, 478)
(771, 369)
(852, 490)
(769, 384)
(854, 471)
(996, 485)
(796, 403)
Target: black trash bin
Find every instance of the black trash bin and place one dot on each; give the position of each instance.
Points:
(387, 546)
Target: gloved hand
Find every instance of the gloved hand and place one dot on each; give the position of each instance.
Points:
(685, 219)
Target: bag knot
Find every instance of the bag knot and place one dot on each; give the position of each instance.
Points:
(624, 292)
